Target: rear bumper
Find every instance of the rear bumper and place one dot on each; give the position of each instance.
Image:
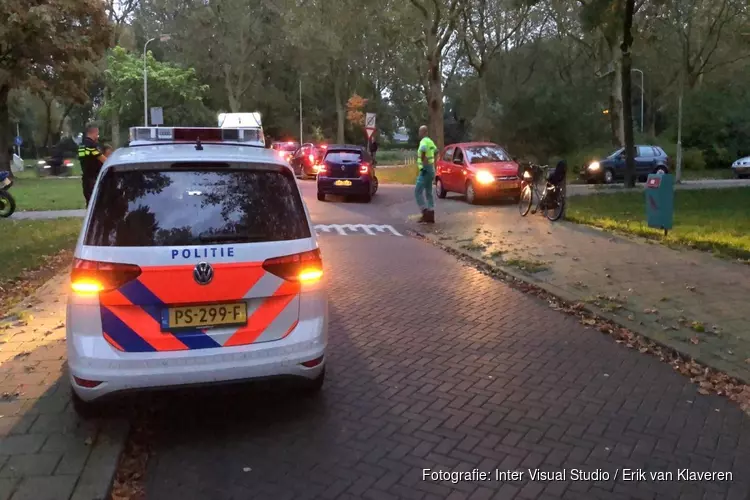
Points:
(93, 358)
(359, 186)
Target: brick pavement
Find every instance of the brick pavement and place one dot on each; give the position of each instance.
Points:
(666, 294)
(46, 452)
(434, 365)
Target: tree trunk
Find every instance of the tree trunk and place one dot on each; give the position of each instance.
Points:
(5, 131)
(48, 123)
(482, 126)
(116, 129)
(435, 100)
(340, 111)
(616, 99)
(627, 42)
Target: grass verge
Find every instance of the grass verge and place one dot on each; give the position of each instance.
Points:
(712, 219)
(32, 193)
(398, 175)
(31, 252)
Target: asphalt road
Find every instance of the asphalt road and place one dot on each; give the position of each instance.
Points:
(434, 365)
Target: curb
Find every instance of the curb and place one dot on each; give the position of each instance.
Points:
(506, 274)
(95, 482)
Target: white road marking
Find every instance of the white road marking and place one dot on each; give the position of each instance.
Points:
(369, 229)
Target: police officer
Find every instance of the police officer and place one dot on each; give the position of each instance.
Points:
(426, 177)
(91, 159)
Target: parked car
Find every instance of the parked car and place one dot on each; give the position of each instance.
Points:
(285, 150)
(348, 171)
(648, 160)
(478, 170)
(741, 168)
(307, 159)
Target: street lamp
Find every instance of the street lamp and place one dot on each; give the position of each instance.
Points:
(162, 38)
(641, 72)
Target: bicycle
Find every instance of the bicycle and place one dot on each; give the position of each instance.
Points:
(551, 200)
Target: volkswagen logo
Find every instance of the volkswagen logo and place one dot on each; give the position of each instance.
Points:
(203, 273)
(343, 168)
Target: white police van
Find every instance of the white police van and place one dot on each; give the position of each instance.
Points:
(197, 263)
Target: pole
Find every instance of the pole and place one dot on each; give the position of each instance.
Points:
(642, 93)
(145, 84)
(18, 134)
(678, 177)
(300, 112)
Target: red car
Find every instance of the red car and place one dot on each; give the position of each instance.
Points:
(478, 170)
(285, 150)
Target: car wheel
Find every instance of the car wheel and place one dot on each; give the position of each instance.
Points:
(374, 185)
(321, 196)
(440, 189)
(471, 193)
(661, 170)
(609, 176)
(313, 386)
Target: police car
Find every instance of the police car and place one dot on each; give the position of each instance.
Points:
(197, 263)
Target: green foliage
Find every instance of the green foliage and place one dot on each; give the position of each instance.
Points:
(177, 90)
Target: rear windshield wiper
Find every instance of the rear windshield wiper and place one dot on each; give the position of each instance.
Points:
(232, 237)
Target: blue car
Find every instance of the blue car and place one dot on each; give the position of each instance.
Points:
(648, 160)
(347, 171)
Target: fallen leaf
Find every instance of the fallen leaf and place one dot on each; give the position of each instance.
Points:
(246, 469)
(589, 322)
(643, 350)
(695, 340)
(651, 311)
(88, 441)
(703, 391)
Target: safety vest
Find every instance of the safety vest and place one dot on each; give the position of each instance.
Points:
(429, 148)
(90, 157)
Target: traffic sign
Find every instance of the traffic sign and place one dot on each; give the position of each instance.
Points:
(370, 133)
(157, 116)
(18, 141)
(370, 120)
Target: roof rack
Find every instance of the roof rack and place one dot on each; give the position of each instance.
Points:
(140, 136)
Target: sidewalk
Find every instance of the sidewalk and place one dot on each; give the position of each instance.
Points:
(690, 301)
(46, 451)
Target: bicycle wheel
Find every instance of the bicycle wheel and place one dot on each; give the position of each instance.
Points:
(553, 208)
(7, 204)
(525, 200)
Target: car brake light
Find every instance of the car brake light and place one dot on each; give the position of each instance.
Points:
(90, 277)
(322, 169)
(306, 267)
(311, 158)
(364, 168)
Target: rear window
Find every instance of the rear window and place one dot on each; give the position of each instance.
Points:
(486, 154)
(344, 156)
(171, 207)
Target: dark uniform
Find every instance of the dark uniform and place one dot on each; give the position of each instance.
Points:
(91, 162)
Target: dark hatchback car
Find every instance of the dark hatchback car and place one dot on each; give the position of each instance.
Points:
(347, 171)
(648, 160)
(306, 160)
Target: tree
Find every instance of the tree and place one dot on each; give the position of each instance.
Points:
(627, 42)
(488, 27)
(354, 113)
(43, 41)
(437, 20)
(175, 89)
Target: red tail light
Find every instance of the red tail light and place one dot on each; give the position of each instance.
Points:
(364, 168)
(90, 278)
(306, 267)
(311, 158)
(322, 169)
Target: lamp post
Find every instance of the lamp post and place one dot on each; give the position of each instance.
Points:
(162, 38)
(642, 90)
